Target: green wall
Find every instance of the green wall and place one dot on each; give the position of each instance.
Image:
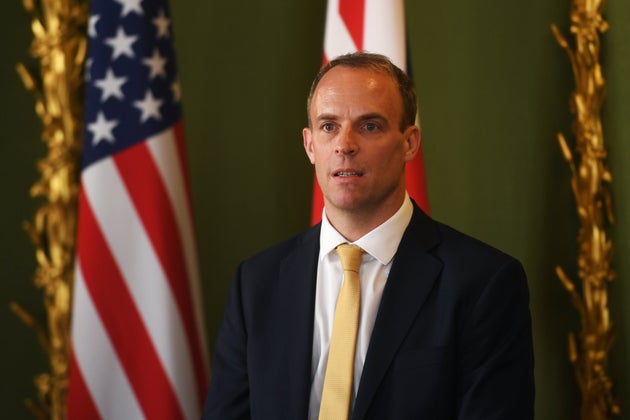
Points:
(493, 91)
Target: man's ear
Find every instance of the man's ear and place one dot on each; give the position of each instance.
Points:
(307, 135)
(413, 138)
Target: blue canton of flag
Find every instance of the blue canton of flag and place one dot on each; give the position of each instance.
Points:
(132, 90)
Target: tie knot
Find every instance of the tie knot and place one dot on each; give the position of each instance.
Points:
(350, 256)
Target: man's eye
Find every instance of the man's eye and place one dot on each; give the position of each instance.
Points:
(328, 127)
(370, 127)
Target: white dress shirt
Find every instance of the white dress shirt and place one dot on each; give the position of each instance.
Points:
(380, 246)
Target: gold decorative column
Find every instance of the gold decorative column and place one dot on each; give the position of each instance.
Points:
(59, 44)
(590, 180)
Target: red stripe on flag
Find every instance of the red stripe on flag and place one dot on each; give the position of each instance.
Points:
(122, 321)
(79, 402)
(416, 181)
(143, 181)
(318, 203)
(352, 12)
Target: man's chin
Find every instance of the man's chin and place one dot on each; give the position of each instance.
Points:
(346, 203)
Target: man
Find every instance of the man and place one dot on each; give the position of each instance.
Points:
(444, 329)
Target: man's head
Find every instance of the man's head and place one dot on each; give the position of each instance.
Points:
(360, 136)
(377, 63)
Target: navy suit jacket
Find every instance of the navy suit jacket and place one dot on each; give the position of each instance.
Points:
(452, 338)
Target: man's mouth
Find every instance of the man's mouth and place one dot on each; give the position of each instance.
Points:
(347, 173)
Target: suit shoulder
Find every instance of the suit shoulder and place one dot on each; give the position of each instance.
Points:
(276, 253)
(446, 242)
(459, 243)
(476, 268)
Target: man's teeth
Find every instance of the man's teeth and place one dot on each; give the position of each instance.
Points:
(347, 174)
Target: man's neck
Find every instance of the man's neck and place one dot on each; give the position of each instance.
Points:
(354, 224)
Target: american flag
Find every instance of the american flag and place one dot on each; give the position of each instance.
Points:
(138, 346)
(376, 26)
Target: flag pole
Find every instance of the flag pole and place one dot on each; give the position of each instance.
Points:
(59, 44)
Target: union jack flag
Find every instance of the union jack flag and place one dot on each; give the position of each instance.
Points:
(138, 346)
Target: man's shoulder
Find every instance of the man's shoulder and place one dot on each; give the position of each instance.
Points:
(303, 242)
(454, 237)
(471, 267)
(450, 242)
(458, 242)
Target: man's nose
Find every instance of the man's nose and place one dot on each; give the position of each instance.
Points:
(347, 142)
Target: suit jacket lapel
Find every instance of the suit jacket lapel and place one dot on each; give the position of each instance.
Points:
(295, 318)
(411, 278)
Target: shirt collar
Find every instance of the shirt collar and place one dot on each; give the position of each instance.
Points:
(381, 242)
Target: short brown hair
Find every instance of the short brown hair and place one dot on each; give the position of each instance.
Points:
(378, 63)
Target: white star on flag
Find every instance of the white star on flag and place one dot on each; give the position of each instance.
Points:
(161, 23)
(92, 25)
(177, 91)
(149, 106)
(156, 64)
(130, 6)
(88, 68)
(102, 129)
(111, 85)
(121, 44)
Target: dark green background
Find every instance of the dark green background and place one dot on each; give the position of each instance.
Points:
(493, 90)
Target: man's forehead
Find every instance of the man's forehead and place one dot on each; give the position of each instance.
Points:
(349, 83)
(348, 72)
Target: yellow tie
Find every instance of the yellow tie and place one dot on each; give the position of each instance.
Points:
(335, 404)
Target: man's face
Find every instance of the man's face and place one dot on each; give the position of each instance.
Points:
(355, 141)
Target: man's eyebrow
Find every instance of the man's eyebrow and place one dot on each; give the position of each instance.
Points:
(372, 116)
(325, 117)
